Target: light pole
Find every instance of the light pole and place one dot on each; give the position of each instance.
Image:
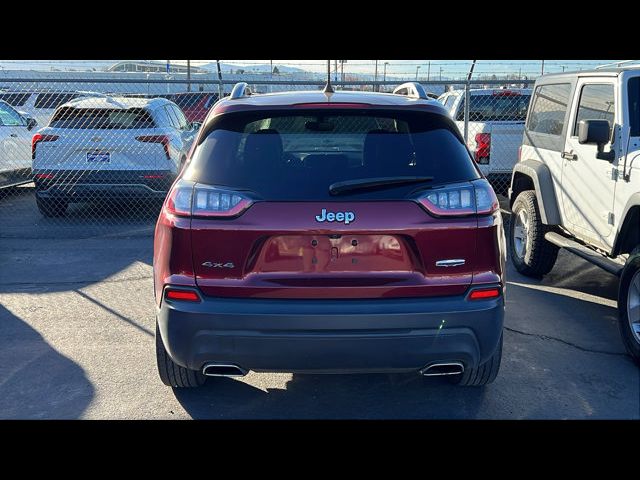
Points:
(417, 68)
(429, 71)
(375, 78)
(384, 76)
(188, 75)
(440, 73)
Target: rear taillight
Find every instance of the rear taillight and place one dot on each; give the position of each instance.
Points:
(484, 293)
(182, 295)
(163, 139)
(188, 199)
(505, 93)
(43, 176)
(471, 198)
(39, 137)
(483, 148)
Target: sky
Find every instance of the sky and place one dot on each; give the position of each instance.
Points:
(427, 69)
(448, 66)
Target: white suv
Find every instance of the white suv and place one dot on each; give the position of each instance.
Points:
(40, 104)
(109, 147)
(577, 183)
(15, 141)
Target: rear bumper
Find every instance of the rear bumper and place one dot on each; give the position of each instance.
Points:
(375, 335)
(80, 185)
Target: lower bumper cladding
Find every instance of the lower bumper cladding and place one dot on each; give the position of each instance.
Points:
(432, 336)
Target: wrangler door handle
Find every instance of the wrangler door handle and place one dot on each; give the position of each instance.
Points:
(569, 155)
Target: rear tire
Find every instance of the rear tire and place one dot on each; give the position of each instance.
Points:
(51, 207)
(482, 374)
(172, 374)
(629, 305)
(530, 252)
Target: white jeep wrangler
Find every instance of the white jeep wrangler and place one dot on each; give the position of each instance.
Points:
(577, 182)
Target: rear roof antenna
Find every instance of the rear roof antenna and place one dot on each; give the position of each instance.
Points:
(328, 88)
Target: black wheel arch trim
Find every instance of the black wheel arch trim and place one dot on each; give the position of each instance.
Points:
(542, 180)
(626, 240)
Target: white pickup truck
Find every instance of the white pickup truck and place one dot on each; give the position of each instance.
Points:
(496, 125)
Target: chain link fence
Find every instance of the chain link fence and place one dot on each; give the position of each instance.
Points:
(84, 156)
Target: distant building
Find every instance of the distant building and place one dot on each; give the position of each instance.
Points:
(147, 66)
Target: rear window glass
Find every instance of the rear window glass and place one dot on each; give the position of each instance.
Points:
(549, 109)
(280, 156)
(101, 118)
(15, 99)
(53, 100)
(499, 106)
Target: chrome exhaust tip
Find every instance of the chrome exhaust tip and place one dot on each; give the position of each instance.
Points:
(437, 369)
(223, 370)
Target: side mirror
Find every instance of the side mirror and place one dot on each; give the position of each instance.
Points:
(596, 132)
(31, 123)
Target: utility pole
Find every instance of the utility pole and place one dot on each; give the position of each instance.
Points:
(441, 73)
(335, 73)
(342, 62)
(271, 75)
(417, 68)
(375, 78)
(188, 75)
(220, 90)
(542, 67)
(429, 71)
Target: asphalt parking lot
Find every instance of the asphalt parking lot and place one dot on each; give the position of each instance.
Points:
(77, 326)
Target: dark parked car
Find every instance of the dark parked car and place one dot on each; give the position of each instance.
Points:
(343, 232)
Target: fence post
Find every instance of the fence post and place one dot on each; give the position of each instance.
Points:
(467, 97)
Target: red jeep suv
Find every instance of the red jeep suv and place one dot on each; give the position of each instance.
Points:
(335, 232)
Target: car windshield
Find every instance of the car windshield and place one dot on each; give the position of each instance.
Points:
(101, 118)
(280, 155)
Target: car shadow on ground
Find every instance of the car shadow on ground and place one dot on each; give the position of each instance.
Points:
(36, 381)
(308, 396)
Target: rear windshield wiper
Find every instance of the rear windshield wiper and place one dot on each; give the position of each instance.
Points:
(339, 188)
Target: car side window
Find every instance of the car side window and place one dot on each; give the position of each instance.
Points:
(450, 100)
(182, 120)
(549, 109)
(9, 117)
(596, 103)
(173, 117)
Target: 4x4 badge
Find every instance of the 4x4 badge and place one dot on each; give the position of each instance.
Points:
(218, 265)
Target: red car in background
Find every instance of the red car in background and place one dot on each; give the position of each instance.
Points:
(195, 105)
